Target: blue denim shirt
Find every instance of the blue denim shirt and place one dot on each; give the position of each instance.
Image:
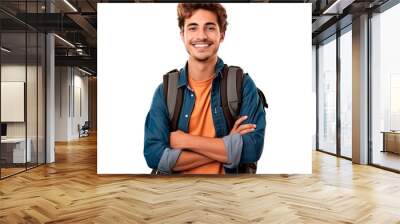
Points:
(240, 149)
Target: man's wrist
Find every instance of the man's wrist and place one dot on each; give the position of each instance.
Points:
(181, 140)
(190, 142)
(185, 140)
(178, 140)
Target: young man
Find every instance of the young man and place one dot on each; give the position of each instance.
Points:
(203, 144)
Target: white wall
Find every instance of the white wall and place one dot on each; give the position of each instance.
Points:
(12, 73)
(33, 127)
(70, 83)
(61, 103)
(80, 83)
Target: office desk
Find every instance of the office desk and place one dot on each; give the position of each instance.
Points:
(391, 141)
(13, 150)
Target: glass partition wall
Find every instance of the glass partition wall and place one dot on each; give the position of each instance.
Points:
(22, 77)
(13, 110)
(334, 75)
(327, 95)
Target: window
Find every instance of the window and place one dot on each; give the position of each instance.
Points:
(346, 93)
(385, 88)
(327, 96)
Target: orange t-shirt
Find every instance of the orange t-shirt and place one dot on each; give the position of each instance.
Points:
(201, 122)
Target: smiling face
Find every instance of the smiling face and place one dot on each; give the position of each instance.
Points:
(201, 35)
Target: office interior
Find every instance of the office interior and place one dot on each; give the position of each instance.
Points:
(49, 94)
(47, 81)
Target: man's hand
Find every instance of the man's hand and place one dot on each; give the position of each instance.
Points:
(177, 139)
(244, 128)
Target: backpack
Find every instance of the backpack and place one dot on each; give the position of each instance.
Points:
(231, 99)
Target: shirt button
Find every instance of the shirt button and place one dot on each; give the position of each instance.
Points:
(186, 116)
(191, 95)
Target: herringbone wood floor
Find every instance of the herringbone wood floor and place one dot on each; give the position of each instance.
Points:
(70, 191)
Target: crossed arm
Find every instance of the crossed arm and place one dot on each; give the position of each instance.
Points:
(203, 150)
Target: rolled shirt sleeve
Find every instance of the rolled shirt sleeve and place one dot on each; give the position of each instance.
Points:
(233, 145)
(156, 131)
(168, 160)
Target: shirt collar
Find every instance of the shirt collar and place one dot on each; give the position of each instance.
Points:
(183, 72)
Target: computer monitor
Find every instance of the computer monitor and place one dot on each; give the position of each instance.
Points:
(3, 129)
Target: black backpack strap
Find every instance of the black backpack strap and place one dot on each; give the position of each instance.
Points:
(177, 110)
(231, 93)
(234, 90)
(231, 99)
(262, 98)
(173, 97)
(224, 98)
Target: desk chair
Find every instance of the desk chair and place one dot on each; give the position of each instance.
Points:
(84, 130)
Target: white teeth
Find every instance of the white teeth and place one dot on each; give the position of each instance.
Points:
(201, 45)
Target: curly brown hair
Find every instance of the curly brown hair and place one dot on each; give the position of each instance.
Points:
(185, 10)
